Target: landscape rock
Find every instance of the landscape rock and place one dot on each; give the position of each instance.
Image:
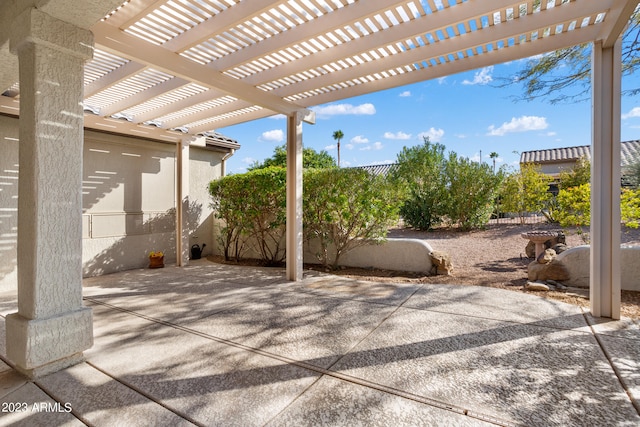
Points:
(441, 263)
(536, 286)
(547, 256)
(559, 286)
(560, 247)
(551, 271)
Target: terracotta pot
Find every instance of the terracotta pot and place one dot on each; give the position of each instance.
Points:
(156, 261)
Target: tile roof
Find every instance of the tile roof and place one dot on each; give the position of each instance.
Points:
(629, 154)
(216, 140)
(378, 169)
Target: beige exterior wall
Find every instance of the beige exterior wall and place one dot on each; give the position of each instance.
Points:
(204, 166)
(8, 202)
(128, 201)
(554, 169)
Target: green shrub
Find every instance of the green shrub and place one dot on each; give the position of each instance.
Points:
(253, 206)
(574, 206)
(310, 159)
(630, 207)
(347, 208)
(420, 175)
(472, 188)
(578, 175)
(525, 191)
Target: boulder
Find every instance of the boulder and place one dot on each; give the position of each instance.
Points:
(546, 257)
(551, 271)
(441, 263)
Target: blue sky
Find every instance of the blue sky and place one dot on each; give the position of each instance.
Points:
(468, 113)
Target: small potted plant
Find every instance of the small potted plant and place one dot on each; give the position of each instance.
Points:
(156, 259)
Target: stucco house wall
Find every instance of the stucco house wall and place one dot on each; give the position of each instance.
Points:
(129, 201)
(8, 203)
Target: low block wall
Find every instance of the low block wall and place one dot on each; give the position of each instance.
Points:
(577, 262)
(394, 254)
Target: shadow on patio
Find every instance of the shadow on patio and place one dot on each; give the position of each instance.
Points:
(223, 345)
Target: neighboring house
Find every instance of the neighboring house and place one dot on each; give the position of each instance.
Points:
(128, 198)
(554, 160)
(378, 169)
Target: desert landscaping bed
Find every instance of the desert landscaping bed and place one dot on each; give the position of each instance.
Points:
(494, 257)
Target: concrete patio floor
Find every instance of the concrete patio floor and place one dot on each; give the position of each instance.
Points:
(221, 345)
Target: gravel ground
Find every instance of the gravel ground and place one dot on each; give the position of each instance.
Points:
(495, 257)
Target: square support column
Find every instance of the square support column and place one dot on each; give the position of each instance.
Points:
(605, 181)
(52, 327)
(182, 203)
(294, 197)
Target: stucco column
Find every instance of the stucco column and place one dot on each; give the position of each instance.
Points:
(182, 203)
(51, 328)
(294, 197)
(605, 181)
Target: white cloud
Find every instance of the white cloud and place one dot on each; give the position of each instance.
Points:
(552, 133)
(441, 80)
(349, 146)
(248, 160)
(359, 139)
(434, 135)
(345, 109)
(275, 135)
(331, 147)
(397, 135)
(635, 112)
(481, 77)
(375, 146)
(405, 94)
(520, 124)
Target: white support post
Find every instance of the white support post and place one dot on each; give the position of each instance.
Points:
(182, 203)
(294, 197)
(605, 181)
(52, 327)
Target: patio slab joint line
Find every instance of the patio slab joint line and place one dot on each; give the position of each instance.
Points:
(347, 352)
(148, 396)
(344, 377)
(616, 371)
(61, 402)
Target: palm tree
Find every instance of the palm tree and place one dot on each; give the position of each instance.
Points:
(338, 135)
(494, 156)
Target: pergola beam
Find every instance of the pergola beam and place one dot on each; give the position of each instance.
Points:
(323, 24)
(450, 68)
(218, 24)
(144, 96)
(115, 41)
(444, 48)
(399, 33)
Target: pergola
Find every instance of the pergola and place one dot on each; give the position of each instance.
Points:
(169, 70)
